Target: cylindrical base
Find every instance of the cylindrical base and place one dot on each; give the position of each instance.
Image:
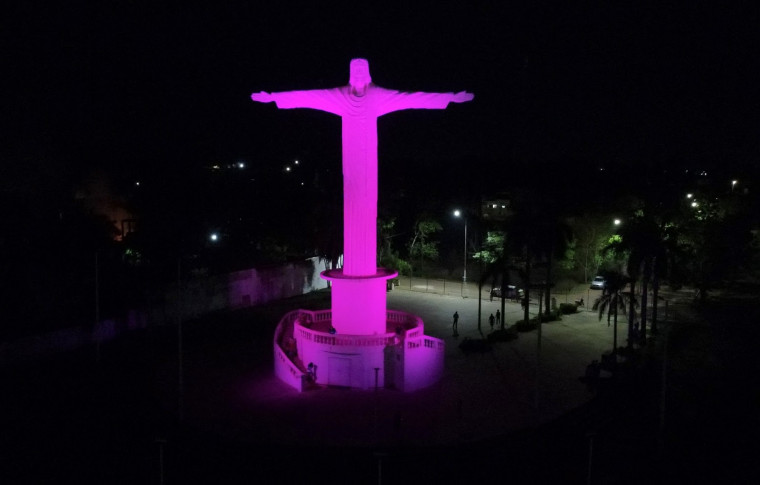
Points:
(359, 302)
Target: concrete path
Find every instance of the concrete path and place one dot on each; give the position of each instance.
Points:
(481, 395)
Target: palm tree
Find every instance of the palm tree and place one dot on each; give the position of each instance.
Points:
(647, 242)
(536, 232)
(612, 301)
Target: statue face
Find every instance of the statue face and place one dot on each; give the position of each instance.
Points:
(360, 77)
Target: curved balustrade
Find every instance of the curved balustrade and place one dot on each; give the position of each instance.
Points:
(309, 327)
(302, 320)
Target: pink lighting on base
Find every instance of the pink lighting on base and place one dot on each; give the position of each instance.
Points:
(359, 288)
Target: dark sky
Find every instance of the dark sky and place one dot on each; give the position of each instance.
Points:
(154, 87)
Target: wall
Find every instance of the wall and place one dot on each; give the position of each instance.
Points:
(200, 295)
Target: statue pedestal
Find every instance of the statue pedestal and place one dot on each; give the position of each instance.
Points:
(359, 302)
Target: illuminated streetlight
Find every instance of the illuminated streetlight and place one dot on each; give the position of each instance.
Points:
(457, 213)
(733, 183)
(689, 196)
(617, 222)
(214, 237)
(694, 204)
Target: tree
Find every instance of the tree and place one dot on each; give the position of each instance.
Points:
(387, 257)
(591, 233)
(612, 301)
(492, 249)
(421, 246)
(717, 238)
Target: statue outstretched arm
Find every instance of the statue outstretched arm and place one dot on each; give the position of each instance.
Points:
(395, 100)
(321, 99)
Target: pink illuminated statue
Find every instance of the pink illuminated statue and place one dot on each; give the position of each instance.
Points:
(366, 344)
(359, 105)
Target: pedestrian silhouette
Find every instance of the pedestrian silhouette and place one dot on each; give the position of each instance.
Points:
(490, 321)
(498, 317)
(456, 322)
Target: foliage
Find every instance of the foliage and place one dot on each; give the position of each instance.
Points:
(505, 335)
(387, 257)
(613, 300)
(421, 246)
(567, 261)
(716, 239)
(474, 345)
(526, 325)
(568, 308)
(591, 233)
(551, 316)
(492, 249)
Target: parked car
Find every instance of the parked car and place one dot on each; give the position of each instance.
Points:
(512, 292)
(598, 283)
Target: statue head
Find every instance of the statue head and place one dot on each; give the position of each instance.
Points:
(360, 77)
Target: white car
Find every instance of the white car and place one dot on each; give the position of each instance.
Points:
(597, 283)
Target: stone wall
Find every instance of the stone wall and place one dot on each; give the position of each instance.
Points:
(199, 296)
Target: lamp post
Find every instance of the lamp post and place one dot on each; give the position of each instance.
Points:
(457, 213)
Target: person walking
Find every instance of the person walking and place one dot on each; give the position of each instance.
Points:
(498, 317)
(490, 321)
(456, 322)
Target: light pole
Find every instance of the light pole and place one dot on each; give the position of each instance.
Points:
(457, 213)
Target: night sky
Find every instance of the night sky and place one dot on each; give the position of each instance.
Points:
(150, 89)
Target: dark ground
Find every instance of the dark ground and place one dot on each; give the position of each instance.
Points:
(70, 420)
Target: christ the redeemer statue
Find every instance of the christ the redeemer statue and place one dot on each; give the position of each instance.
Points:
(359, 105)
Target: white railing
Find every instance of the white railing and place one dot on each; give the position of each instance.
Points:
(412, 327)
(326, 338)
(411, 332)
(286, 370)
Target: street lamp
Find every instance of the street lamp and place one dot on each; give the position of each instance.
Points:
(457, 213)
(733, 183)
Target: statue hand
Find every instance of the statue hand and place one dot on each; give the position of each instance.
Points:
(262, 97)
(463, 97)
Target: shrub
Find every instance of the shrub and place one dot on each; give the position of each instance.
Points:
(526, 326)
(568, 308)
(551, 316)
(503, 335)
(474, 345)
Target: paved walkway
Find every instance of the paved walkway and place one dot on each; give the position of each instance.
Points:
(481, 395)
